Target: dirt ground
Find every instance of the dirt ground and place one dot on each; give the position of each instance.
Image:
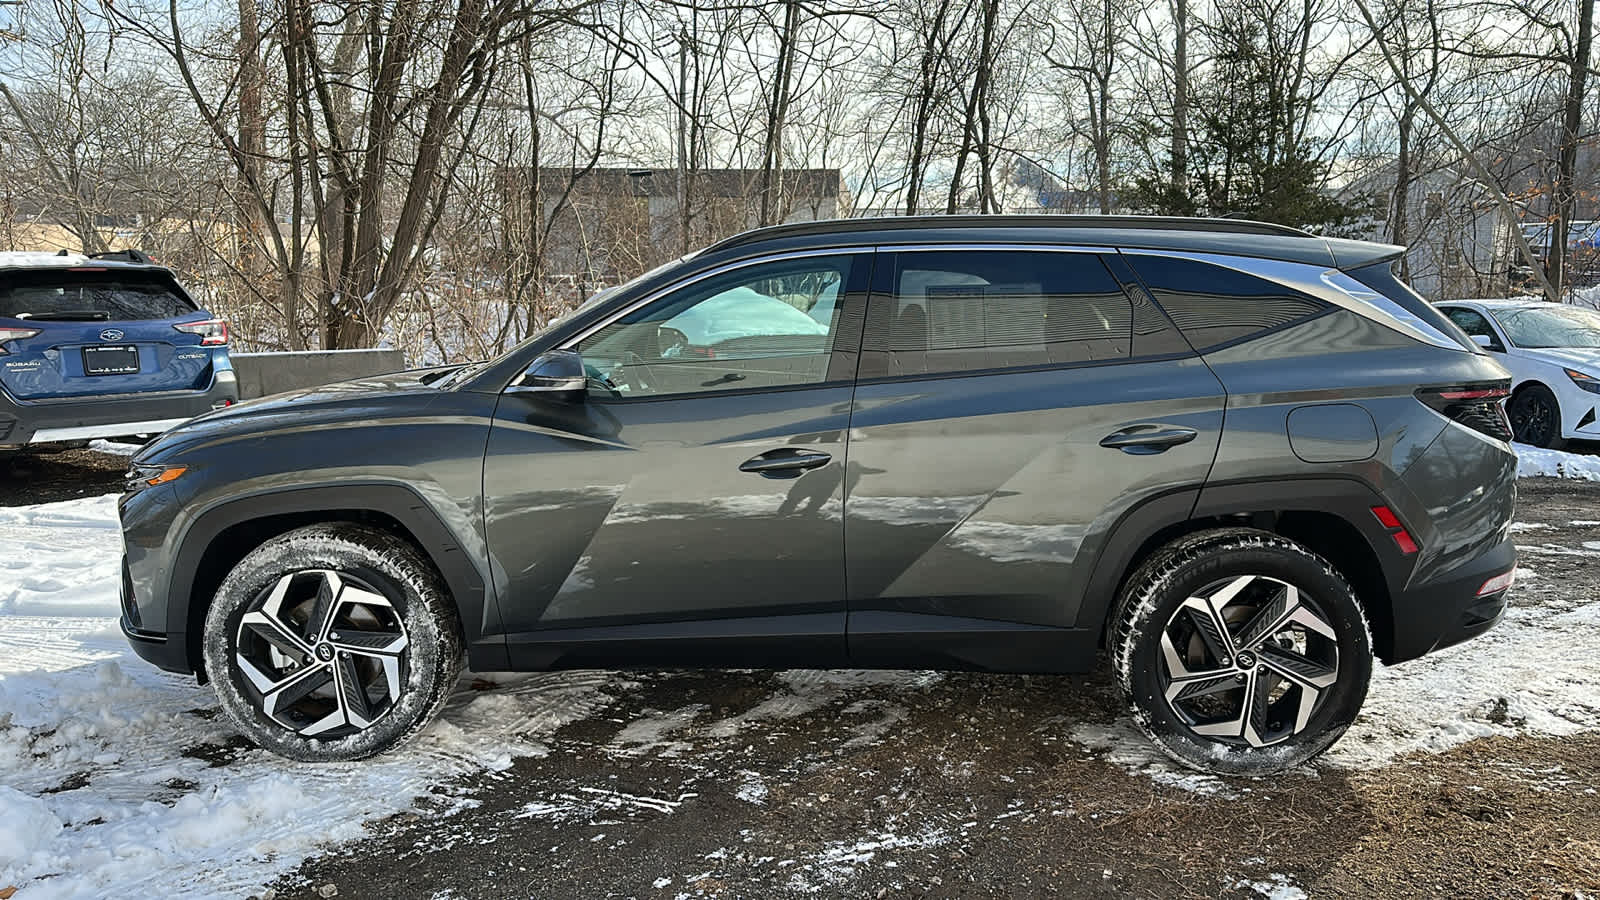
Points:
(967, 786)
(28, 477)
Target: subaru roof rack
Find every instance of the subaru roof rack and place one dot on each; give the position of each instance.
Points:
(130, 255)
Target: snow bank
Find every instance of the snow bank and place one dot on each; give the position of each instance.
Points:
(1535, 462)
(120, 779)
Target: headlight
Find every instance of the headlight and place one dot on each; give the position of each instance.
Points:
(148, 475)
(1587, 382)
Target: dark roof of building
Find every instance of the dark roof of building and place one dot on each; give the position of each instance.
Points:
(705, 182)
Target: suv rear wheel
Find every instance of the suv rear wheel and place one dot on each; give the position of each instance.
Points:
(332, 642)
(1241, 652)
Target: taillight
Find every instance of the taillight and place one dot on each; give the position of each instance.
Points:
(213, 332)
(14, 334)
(1480, 407)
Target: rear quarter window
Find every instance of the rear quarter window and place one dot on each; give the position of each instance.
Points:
(90, 296)
(1213, 305)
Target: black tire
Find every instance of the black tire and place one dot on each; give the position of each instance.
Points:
(1160, 599)
(1535, 416)
(400, 690)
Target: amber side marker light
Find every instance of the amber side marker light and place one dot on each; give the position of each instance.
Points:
(172, 473)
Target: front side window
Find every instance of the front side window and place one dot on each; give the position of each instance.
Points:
(975, 310)
(1472, 322)
(763, 326)
(1550, 326)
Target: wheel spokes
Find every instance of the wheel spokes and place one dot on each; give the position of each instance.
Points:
(1206, 615)
(344, 645)
(294, 688)
(1257, 673)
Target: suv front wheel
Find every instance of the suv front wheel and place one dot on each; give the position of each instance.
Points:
(331, 643)
(1241, 652)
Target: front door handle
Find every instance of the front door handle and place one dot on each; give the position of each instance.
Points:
(785, 462)
(1145, 439)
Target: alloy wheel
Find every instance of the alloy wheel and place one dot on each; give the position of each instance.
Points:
(1532, 419)
(1248, 660)
(325, 652)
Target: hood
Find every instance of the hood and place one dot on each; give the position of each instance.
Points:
(1584, 359)
(365, 398)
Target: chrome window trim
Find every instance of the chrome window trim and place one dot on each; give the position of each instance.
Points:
(1326, 284)
(572, 342)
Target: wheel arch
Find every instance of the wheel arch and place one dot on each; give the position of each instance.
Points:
(1329, 516)
(223, 534)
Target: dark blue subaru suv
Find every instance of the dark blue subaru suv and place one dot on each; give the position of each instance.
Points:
(103, 346)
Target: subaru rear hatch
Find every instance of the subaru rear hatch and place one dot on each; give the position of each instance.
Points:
(97, 330)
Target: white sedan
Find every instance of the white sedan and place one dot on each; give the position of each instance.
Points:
(1553, 354)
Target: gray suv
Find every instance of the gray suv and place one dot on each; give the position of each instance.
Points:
(1240, 459)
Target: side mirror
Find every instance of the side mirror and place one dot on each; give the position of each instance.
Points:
(1487, 342)
(558, 374)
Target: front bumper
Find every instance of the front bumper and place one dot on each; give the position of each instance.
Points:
(1449, 611)
(99, 417)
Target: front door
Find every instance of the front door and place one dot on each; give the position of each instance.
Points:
(1012, 405)
(690, 511)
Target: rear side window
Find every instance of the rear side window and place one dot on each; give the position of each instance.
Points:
(89, 296)
(1380, 277)
(1213, 305)
(975, 310)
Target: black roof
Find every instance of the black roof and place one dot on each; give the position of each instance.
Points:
(1228, 236)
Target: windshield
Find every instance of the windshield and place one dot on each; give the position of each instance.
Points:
(471, 369)
(1538, 327)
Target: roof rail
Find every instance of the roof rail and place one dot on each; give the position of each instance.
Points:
(895, 223)
(130, 255)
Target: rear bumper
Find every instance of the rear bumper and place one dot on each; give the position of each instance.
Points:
(1450, 611)
(97, 417)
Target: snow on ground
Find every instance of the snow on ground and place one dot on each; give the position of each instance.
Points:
(1534, 461)
(108, 782)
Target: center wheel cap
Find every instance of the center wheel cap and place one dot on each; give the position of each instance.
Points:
(324, 652)
(1245, 660)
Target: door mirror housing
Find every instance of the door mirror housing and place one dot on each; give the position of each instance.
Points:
(558, 374)
(1487, 342)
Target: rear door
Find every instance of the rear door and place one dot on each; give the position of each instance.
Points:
(1011, 406)
(100, 330)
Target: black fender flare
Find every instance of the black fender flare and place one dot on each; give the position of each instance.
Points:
(480, 618)
(1347, 498)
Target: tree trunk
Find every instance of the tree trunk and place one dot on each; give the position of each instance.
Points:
(1566, 195)
(1402, 185)
(1180, 100)
(777, 109)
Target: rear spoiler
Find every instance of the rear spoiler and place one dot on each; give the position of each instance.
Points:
(1349, 254)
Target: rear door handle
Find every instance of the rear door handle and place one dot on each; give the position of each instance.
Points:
(1145, 439)
(785, 462)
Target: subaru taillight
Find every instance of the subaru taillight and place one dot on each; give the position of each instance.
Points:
(1480, 407)
(14, 334)
(213, 332)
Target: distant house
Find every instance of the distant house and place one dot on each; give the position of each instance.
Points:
(1458, 241)
(605, 224)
